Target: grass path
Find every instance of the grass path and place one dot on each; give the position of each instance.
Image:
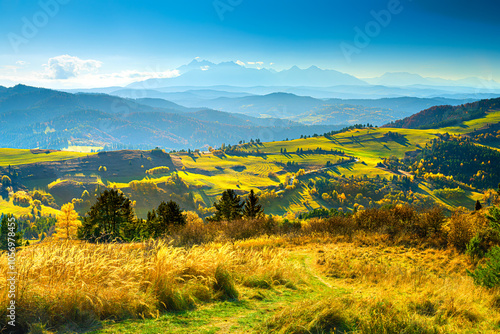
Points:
(246, 315)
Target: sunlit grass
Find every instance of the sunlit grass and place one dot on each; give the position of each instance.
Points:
(15, 157)
(7, 207)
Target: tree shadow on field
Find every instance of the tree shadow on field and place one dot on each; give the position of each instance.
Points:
(334, 170)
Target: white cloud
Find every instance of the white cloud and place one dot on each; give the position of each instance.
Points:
(21, 63)
(239, 62)
(84, 80)
(65, 67)
(251, 63)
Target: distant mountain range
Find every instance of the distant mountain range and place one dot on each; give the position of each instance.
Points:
(36, 117)
(202, 80)
(205, 73)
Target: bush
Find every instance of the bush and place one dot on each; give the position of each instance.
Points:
(194, 231)
(22, 198)
(337, 225)
(450, 193)
(273, 176)
(377, 220)
(460, 230)
(432, 221)
(474, 249)
(6, 181)
(488, 275)
(158, 170)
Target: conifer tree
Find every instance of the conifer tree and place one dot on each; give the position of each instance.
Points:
(7, 228)
(166, 215)
(108, 218)
(252, 209)
(229, 207)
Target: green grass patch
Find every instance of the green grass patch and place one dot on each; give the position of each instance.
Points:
(15, 157)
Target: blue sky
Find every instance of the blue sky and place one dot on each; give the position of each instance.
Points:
(101, 43)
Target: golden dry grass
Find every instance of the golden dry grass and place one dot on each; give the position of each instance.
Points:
(80, 283)
(405, 289)
(337, 280)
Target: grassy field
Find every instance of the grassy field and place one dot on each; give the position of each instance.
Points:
(492, 117)
(15, 157)
(272, 285)
(9, 207)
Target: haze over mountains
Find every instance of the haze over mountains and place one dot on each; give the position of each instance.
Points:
(202, 79)
(210, 104)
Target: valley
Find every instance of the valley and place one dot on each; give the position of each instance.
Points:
(266, 167)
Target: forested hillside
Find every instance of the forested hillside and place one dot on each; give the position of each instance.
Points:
(442, 116)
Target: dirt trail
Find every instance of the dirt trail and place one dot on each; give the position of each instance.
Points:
(310, 267)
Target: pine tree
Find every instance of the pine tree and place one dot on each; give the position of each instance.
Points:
(167, 215)
(4, 233)
(478, 205)
(8, 225)
(252, 208)
(67, 222)
(229, 207)
(108, 217)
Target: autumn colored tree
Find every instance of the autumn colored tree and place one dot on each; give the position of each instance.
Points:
(6, 181)
(67, 222)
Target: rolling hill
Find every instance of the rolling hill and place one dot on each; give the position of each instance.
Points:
(371, 166)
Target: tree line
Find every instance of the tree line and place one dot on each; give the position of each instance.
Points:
(112, 217)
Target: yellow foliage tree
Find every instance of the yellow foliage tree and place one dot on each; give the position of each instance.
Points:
(67, 222)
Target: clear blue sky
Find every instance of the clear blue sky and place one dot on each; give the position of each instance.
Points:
(119, 40)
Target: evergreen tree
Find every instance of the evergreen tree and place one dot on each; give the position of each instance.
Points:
(167, 215)
(9, 229)
(494, 218)
(108, 218)
(229, 207)
(478, 205)
(252, 208)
